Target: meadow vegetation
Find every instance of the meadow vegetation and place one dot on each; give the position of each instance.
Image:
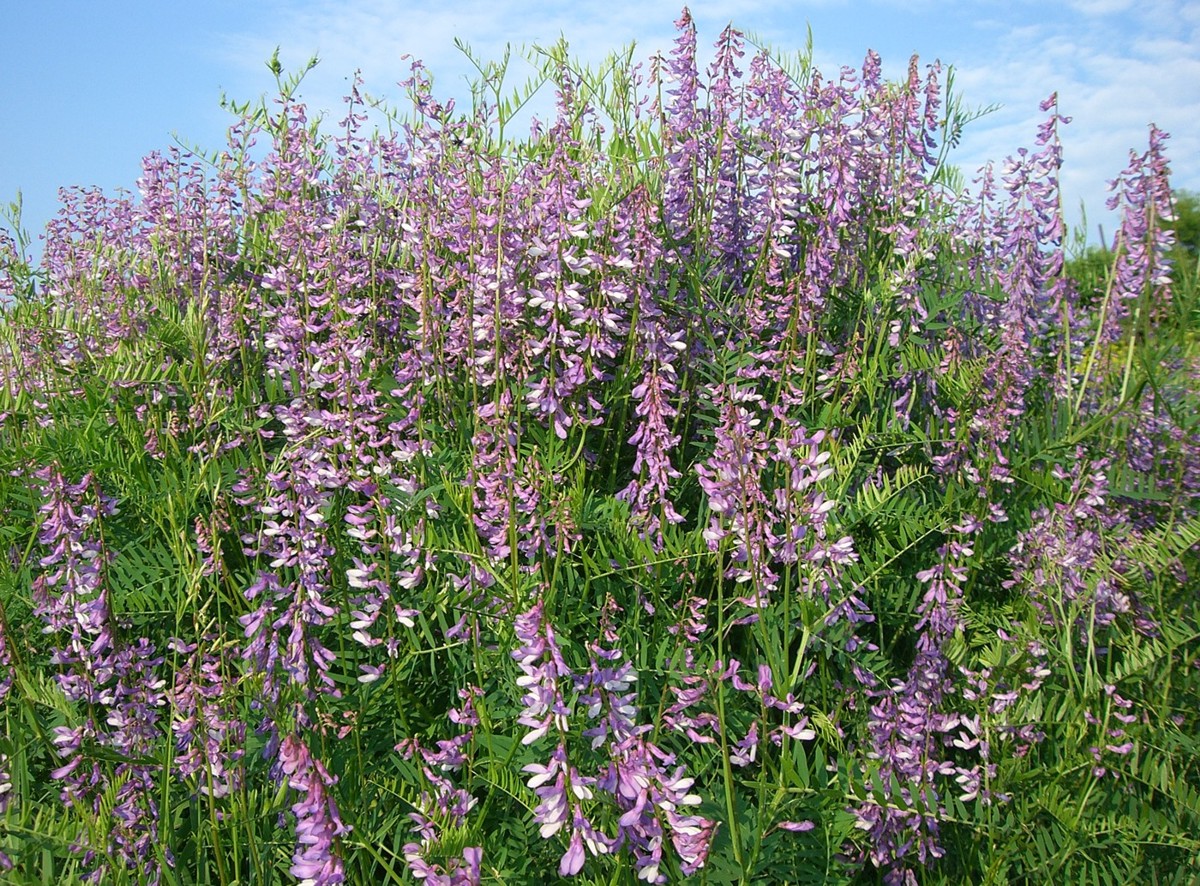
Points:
(706, 482)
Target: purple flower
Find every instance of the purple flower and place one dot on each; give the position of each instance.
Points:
(909, 727)
(442, 805)
(318, 824)
(115, 683)
(209, 738)
(1141, 246)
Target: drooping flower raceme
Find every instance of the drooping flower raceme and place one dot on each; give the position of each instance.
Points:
(649, 789)
(318, 824)
(115, 682)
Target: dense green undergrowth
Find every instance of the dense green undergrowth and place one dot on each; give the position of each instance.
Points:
(705, 484)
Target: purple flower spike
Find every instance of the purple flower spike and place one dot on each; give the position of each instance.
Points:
(116, 683)
(318, 825)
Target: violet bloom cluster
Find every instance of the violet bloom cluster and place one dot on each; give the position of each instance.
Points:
(184, 225)
(732, 481)
(796, 724)
(1011, 241)
(575, 325)
(1142, 269)
(333, 455)
(444, 807)
(727, 224)
(1114, 741)
(773, 104)
(910, 729)
(1168, 454)
(115, 683)
(90, 224)
(606, 690)
(656, 394)
(683, 135)
(902, 128)
(209, 737)
(318, 824)
(558, 785)
(1054, 561)
(649, 791)
(1023, 244)
(545, 676)
(505, 488)
(654, 796)
(761, 483)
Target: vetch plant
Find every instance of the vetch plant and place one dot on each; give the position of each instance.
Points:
(695, 482)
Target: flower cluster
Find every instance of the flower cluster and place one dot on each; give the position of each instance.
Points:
(698, 446)
(761, 484)
(116, 682)
(1055, 560)
(444, 807)
(318, 824)
(1141, 277)
(910, 727)
(209, 737)
(649, 789)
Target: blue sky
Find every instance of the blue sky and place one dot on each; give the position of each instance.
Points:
(87, 88)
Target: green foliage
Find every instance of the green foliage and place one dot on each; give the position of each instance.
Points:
(1186, 224)
(1081, 720)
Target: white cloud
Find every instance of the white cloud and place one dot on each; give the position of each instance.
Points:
(1100, 7)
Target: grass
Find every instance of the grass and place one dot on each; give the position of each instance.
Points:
(704, 486)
